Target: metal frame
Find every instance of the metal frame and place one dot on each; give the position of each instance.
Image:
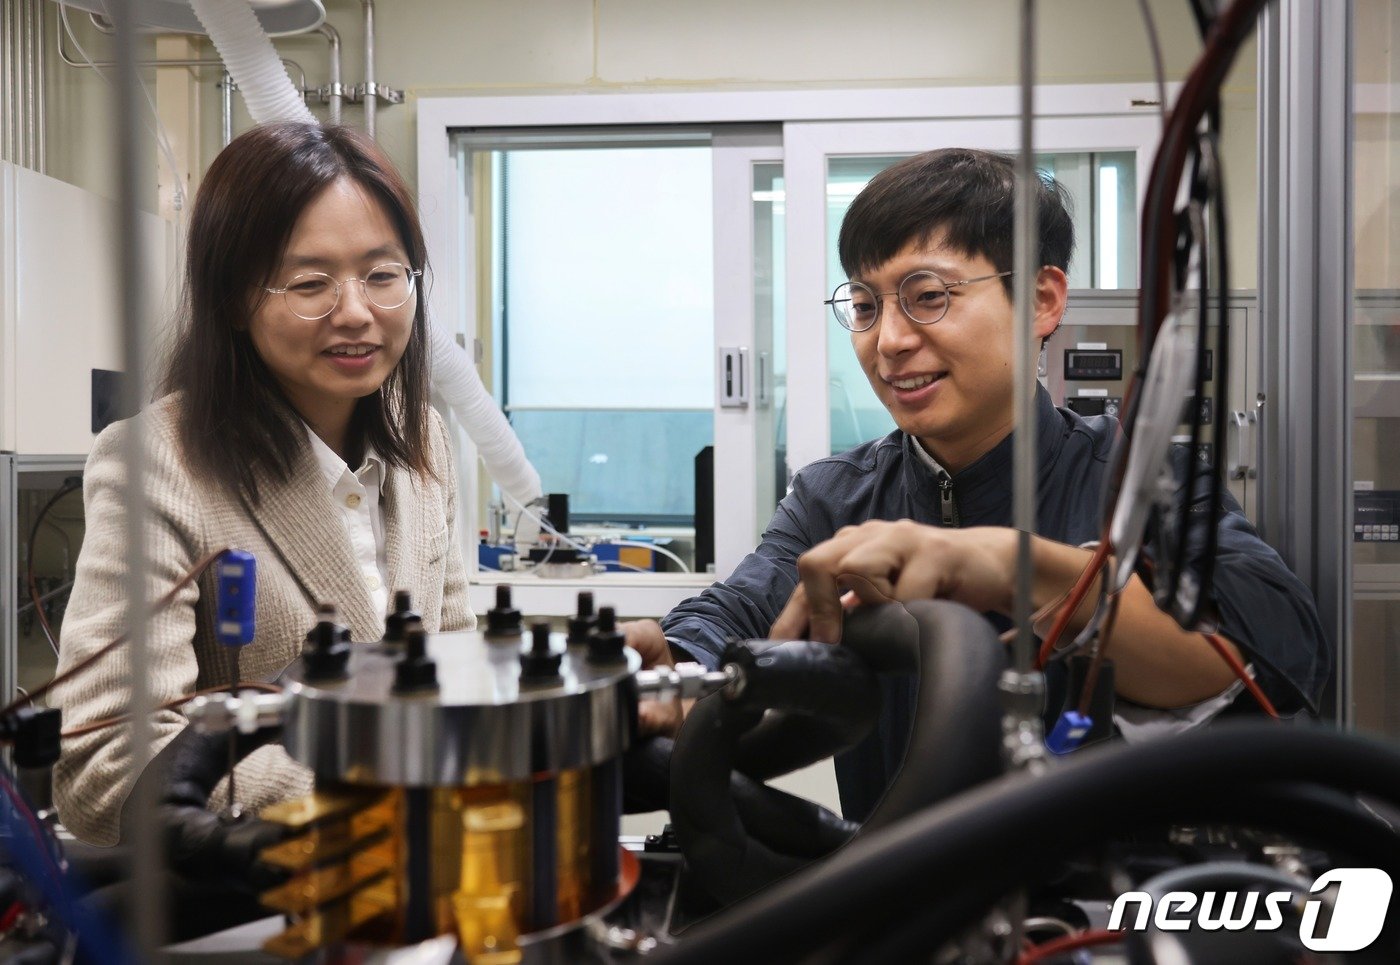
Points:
(1305, 282)
(12, 467)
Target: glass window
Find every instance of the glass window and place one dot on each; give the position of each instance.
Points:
(1102, 188)
(601, 265)
(1376, 367)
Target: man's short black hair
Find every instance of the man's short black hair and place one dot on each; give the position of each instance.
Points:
(968, 195)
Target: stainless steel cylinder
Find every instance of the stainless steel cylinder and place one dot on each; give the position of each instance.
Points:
(487, 806)
(482, 727)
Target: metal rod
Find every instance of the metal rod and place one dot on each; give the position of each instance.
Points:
(1022, 686)
(226, 108)
(28, 88)
(337, 95)
(156, 62)
(42, 87)
(7, 87)
(147, 859)
(1027, 271)
(371, 90)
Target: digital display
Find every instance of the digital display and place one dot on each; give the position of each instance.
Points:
(1094, 366)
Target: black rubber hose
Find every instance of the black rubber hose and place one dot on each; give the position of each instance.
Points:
(1322, 813)
(820, 700)
(936, 864)
(955, 743)
(781, 821)
(728, 863)
(198, 843)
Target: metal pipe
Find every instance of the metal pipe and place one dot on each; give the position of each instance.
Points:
(28, 89)
(337, 95)
(226, 108)
(146, 845)
(1022, 686)
(371, 89)
(1027, 271)
(7, 87)
(204, 62)
(42, 86)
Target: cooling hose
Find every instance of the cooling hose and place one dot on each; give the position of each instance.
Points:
(950, 862)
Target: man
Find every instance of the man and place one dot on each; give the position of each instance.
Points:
(925, 512)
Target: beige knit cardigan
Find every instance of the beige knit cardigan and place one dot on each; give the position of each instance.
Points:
(303, 557)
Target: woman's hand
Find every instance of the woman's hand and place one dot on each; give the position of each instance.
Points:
(880, 561)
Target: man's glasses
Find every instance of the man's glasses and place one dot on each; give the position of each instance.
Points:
(315, 294)
(922, 295)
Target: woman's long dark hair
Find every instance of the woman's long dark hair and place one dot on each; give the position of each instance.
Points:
(234, 416)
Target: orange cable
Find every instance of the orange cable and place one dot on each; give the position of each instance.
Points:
(1253, 687)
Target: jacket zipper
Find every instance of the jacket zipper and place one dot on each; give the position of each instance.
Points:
(945, 499)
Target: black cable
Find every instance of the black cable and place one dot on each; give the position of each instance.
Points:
(1226, 36)
(1180, 530)
(1222, 379)
(69, 485)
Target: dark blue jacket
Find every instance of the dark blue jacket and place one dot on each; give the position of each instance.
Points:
(1262, 606)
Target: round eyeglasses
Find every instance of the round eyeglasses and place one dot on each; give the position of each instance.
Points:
(314, 294)
(923, 296)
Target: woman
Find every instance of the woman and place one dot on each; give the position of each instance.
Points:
(295, 425)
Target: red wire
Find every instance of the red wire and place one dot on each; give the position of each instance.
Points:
(1076, 597)
(1069, 943)
(1225, 654)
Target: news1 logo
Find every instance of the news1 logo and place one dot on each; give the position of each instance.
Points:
(1357, 910)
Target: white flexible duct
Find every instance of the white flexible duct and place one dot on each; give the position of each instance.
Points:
(256, 69)
(252, 61)
(457, 381)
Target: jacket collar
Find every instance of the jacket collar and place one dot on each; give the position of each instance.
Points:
(302, 525)
(983, 489)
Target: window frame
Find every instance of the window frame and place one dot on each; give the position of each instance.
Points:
(1107, 117)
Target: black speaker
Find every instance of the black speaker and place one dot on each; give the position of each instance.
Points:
(705, 509)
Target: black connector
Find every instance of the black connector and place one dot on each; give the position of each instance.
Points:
(540, 663)
(416, 672)
(326, 653)
(608, 643)
(396, 623)
(503, 619)
(34, 732)
(582, 624)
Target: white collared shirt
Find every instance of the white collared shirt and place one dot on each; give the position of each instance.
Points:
(357, 496)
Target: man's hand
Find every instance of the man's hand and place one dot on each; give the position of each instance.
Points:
(653, 716)
(881, 561)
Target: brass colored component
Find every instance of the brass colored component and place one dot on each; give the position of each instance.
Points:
(490, 898)
(321, 805)
(572, 835)
(334, 922)
(335, 835)
(487, 924)
(314, 889)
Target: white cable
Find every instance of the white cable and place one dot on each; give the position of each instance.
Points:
(544, 523)
(655, 549)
